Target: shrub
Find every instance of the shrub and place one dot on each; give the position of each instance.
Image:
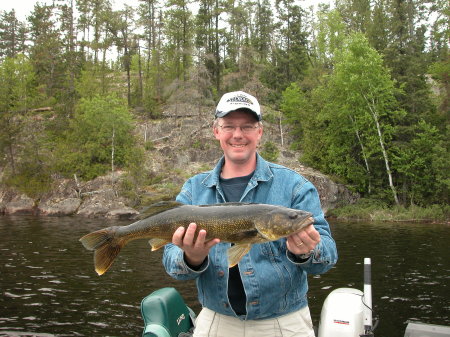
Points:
(270, 152)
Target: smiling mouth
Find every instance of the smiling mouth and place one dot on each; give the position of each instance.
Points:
(238, 145)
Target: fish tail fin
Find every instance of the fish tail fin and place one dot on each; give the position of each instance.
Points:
(105, 255)
(106, 246)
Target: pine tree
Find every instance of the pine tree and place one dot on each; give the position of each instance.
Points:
(290, 58)
(120, 25)
(208, 36)
(13, 34)
(178, 32)
(46, 50)
(261, 39)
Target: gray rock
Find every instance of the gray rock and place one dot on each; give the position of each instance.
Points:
(20, 204)
(331, 194)
(92, 210)
(121, 213)
(59, 206)
(182, 145)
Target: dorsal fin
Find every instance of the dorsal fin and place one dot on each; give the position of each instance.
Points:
(157, 208)
(229, 204)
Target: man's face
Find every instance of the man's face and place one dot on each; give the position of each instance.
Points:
(238, 146)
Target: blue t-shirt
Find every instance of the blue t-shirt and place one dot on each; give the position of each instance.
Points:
(233, 189)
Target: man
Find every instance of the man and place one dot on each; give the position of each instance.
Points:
(265, 294)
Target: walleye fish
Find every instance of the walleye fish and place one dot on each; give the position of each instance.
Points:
(240, 223)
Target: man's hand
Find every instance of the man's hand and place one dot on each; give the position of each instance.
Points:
(195, 249)
(304, 241)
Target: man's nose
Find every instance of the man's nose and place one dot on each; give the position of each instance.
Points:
(237, 131)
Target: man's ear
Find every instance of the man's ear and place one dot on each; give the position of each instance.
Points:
(260, 133)
(216, 131)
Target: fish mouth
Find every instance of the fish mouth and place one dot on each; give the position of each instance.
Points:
(305, 223)
(275, 235)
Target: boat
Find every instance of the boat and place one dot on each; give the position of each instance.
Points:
(346, 312)
(165, 314)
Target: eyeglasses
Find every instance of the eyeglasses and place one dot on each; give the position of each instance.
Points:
(244, 128)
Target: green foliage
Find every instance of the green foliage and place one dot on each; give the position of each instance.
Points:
(31, 178)
(360, 210)
(98, 137)
(423, 163)
(440, 73)
(179, 34)
(17, 84)
(290, 56)
(331, 33)
(356, 119)
(18, 95)
(295, 107)
(46, 51)
(377, 210)
(133, 181)
(270, 151)
(271, 116)
(335, 73)
(432, 213)
(88, 85)
(12, 34)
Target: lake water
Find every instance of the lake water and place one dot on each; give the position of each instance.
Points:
(49, 287)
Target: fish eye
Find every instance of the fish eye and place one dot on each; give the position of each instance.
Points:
(293, 215)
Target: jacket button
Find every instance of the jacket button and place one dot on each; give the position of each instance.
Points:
(220, 273)
(226, 305)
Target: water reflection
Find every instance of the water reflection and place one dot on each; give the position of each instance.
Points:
(49, 286)
(410, 271)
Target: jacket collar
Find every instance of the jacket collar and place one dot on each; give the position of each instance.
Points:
(262, 172)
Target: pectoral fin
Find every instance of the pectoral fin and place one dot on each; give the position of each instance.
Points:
(236, 253)
(157, 243)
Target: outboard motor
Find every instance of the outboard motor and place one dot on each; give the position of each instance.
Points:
(166, 315)
(347, 312)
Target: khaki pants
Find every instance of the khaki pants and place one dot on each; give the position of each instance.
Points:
(295, 324)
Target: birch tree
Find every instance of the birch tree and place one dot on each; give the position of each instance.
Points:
(367, 98)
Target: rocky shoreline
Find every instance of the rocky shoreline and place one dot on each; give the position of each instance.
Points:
(191, 149)
(100, 198)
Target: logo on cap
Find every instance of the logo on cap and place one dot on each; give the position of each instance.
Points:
(240, 99)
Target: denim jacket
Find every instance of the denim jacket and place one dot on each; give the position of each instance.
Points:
(275, 284)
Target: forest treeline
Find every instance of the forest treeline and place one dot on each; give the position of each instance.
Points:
(363, 85)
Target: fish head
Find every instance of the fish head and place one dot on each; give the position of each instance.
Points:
(282, 222)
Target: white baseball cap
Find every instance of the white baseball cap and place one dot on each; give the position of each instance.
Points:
(238, 100)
